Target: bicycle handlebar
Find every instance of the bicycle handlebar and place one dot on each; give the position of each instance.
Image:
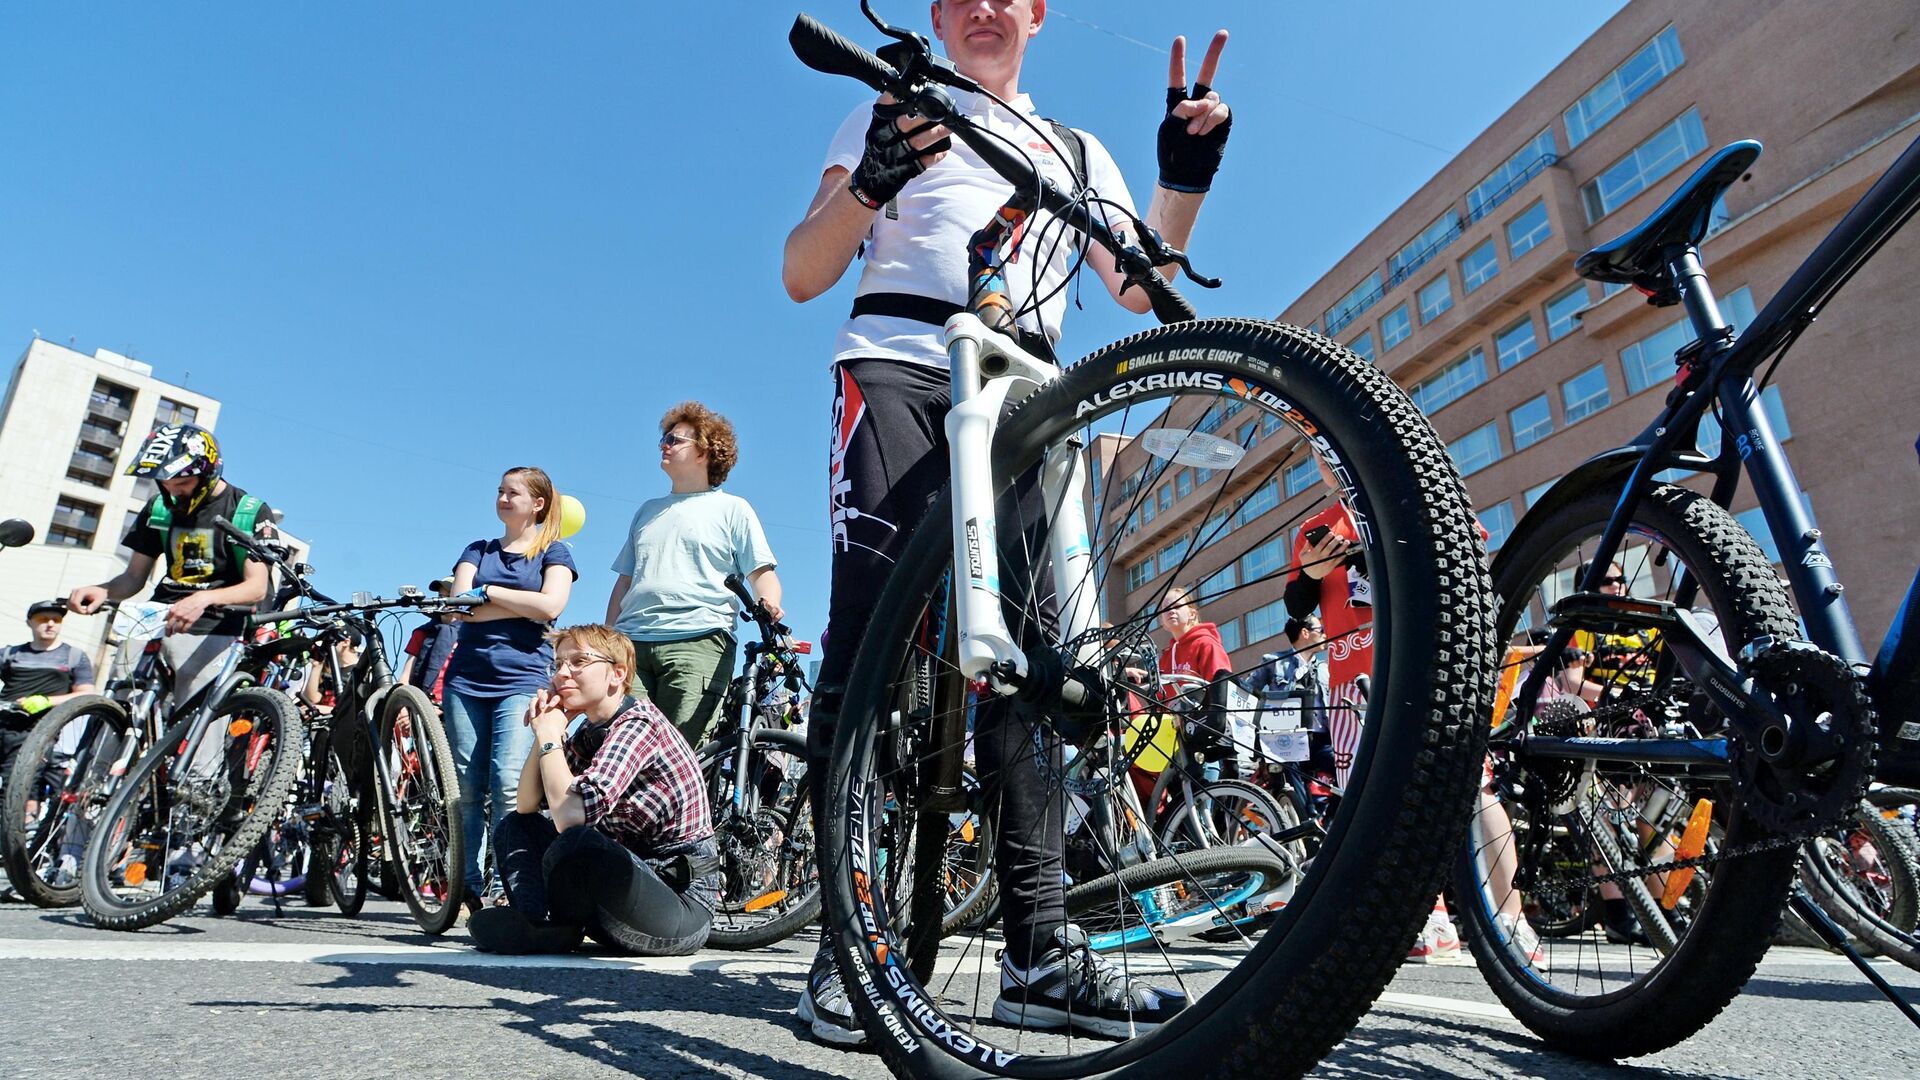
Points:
(919, 84)
(426, 605)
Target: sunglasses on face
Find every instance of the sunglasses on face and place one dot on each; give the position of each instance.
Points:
(1614, 579)
(668, 440)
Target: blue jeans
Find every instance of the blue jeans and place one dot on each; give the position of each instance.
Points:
(491, 741)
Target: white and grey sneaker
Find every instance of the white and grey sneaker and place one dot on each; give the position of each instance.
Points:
(1071, 985)
(824, 1005)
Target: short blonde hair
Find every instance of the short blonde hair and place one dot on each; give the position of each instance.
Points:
(598, 638)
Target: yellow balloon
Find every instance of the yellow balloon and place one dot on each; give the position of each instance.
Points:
(1164, 742)
(573, 515)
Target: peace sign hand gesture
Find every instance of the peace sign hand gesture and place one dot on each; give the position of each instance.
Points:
(1193, 134)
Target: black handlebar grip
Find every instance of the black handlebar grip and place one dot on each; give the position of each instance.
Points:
(232, 530)
(739, 589)
(823, 50)
(1169, 306)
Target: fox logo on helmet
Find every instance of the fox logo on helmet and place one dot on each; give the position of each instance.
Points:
(179, 451)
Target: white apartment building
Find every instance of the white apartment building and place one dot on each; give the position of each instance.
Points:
(68, 426)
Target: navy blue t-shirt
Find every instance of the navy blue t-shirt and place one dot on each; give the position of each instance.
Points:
(503, 657)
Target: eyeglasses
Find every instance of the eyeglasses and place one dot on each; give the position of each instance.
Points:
(668, 440)
(579, 663)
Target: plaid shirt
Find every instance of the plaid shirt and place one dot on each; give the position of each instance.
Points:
(641, 785)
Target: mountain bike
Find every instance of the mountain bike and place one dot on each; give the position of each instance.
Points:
(1031, 582)
(1731, 719)
(386, 764)
(757, 785)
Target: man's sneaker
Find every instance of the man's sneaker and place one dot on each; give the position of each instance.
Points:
(1521, 939)
(1070, 984)
(824, 1005)
(1438, 942)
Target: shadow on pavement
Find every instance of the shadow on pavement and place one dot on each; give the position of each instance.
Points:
(1481, 1050)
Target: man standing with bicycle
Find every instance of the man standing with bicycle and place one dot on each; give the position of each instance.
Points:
(896, 190)
(208, 576)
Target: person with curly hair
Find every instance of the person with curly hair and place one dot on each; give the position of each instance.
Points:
(671, 596)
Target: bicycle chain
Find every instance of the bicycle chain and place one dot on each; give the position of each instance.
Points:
(1757, 847)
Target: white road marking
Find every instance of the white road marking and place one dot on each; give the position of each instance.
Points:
(393, 955)
(1479, 1010)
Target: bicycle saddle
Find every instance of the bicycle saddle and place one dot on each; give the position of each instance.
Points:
(1634, 257)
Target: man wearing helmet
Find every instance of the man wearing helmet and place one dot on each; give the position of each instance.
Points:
(208, 577)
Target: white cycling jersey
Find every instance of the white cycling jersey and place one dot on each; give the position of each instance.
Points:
(918, 243)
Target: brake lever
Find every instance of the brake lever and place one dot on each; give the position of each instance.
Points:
(1159, 254)
(913, 57)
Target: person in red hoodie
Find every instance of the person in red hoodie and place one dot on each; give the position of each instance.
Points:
(1198, 651)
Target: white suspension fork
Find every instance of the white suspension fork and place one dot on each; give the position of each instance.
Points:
(989, 371)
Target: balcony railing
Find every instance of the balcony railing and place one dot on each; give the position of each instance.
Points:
(1354, 311)
(1510, 188)
(109, 410)
(100, 435)
(91, 467)
(75, 520)
(1425, 255)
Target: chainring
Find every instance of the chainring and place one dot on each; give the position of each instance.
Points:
(1813, 687)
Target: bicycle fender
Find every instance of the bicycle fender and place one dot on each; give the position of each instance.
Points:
(1606, 471)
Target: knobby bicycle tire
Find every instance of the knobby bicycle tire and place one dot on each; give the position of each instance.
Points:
(423, 814)
(30, 847)
(795, 815)
(1255, 871)
(1887, 927)
(1730, 928)
(1329, 953)
(269, 788)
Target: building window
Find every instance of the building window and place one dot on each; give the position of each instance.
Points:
(1506, 181)
(1266, 620)
(1183, 483)
(1479, 267)
(74, 523)
(1362, 346)
(1624, 85)
(1563, 311)
(1229, 634)
(1450, 383)
(1649, 361)
(1363, 296)
(1139, 574)
(1531, 422)
(1147, 512)
(1249, 434)
(1498, 521)
(1477, 449)
(1515, 343)
(111, 401)
(172, 412)
(1166, 497)
(1258, 501)
(1261, 562)
(1270, 423)
(1667, 150)
(1421, 249)
(1533, 493)
(1301, 476)
(1435, 298)
(1395, 328)
(1173, 555)
(1211, 419)
(1528, 231)
(1585, 394)
(1218, 583)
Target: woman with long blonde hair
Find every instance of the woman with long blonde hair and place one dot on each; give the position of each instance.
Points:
(504, 657)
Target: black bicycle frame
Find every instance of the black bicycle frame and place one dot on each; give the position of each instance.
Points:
(1719, 367)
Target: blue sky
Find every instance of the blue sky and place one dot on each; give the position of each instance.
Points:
(411, 245)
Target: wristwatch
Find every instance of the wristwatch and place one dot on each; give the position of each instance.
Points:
(548, 747)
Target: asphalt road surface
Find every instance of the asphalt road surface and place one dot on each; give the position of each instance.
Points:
(307, 992)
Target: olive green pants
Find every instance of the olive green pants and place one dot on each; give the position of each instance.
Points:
(686, 680)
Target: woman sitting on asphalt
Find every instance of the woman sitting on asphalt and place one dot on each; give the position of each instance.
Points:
(628, 854)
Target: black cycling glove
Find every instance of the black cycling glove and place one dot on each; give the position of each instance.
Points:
(1188, 162)
(890, 160)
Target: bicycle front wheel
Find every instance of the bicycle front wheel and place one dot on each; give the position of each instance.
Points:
(1866, 874)
(422, 806)
(1230, 418)
(763, 823)
(180, 824)
(62, 777)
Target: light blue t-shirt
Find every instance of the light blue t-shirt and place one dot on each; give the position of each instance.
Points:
(679, 551)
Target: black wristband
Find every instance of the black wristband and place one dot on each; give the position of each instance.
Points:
(1188, 162)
